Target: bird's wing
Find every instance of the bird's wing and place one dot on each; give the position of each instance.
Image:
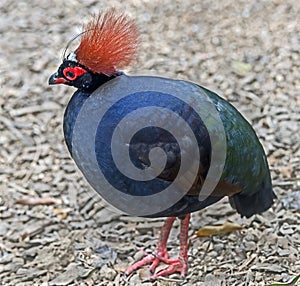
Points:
(222, 188)
(140, 155)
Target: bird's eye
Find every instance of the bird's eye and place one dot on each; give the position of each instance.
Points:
(71, 73)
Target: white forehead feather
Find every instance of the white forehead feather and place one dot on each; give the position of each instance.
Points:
(71, 57)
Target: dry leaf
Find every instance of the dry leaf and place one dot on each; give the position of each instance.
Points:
(67, 277)
(286, 171)
(61, 213)
(144, 274)
(292, 282)
(120, 267)
(218, 229)
(241, 68)
(268, 267)
(31, 201)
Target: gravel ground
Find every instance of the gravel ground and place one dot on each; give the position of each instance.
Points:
(247, 51)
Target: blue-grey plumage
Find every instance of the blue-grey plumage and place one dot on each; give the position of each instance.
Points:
(245, 178)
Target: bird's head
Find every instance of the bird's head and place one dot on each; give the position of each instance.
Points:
(108, 43)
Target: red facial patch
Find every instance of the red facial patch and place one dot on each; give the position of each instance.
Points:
(71, 73)
(109, 42)
(60, 80)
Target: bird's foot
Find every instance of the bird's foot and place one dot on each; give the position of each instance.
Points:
(175, 265)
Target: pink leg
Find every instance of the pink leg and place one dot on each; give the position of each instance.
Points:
(162, 243)
(161, 249)
(175, 265)
(180, 264)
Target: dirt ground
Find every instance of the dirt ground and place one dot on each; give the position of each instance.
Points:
(247, 51)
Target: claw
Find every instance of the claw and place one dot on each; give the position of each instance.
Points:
(146, 260)
(175, 265)
(160, 256)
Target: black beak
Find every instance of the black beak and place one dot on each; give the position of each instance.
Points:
(53, 79)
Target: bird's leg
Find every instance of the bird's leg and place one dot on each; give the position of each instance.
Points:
(181, 264)
(161, 250)
(184, 243)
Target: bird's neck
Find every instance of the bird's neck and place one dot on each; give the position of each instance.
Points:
(77, 101)
(98, 80)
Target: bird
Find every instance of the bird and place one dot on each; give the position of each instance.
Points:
(108, 44)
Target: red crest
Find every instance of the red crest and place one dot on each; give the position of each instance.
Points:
(109, 42)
